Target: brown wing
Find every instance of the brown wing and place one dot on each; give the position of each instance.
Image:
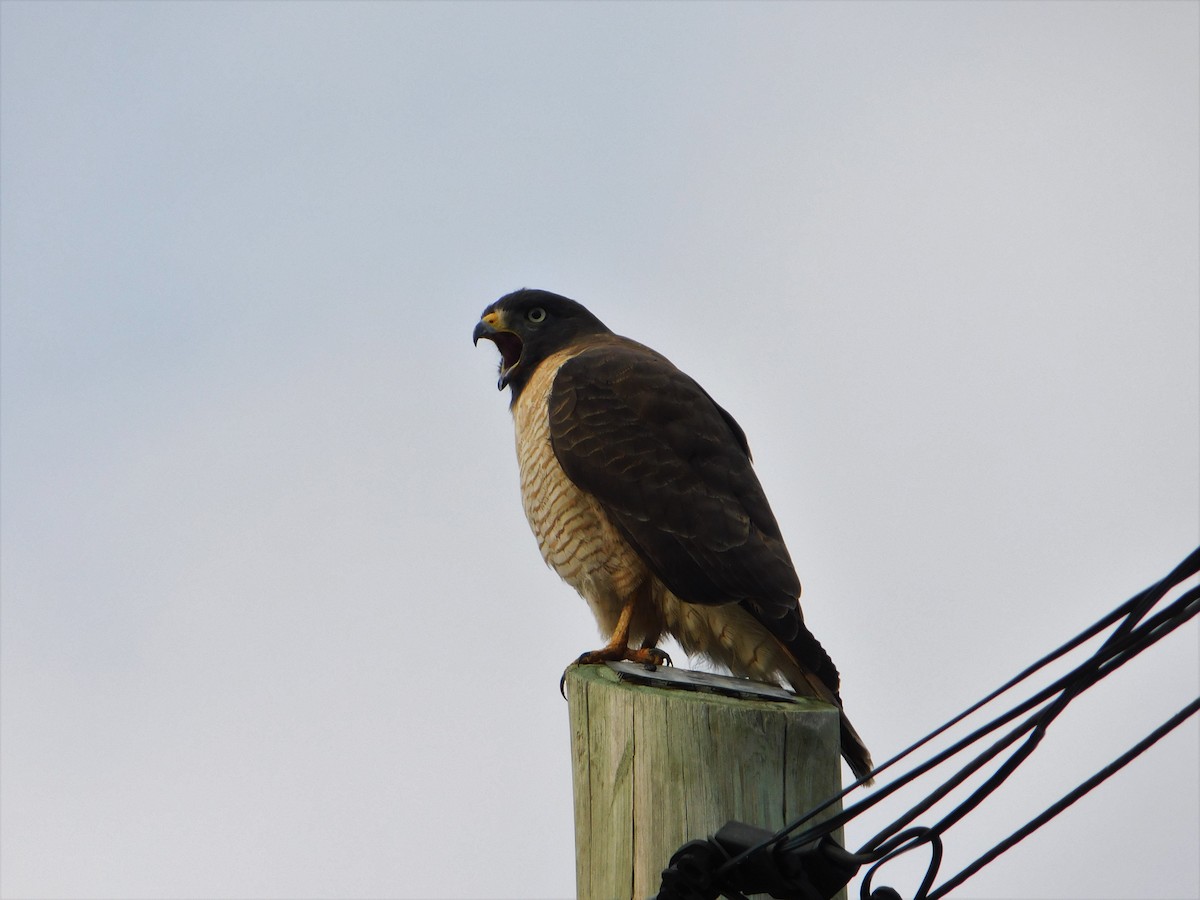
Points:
(672, 470)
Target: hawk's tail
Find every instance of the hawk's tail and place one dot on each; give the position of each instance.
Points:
(815, 675)
(855, 752)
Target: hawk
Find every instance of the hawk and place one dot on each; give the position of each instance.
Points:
(641, 493)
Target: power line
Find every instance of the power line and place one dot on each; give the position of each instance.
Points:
(807, 863)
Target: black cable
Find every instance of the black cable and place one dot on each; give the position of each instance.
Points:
(1136, 630)
(1131, 611)
(1043, 719)
(1068, 799)
(1167, 616)
(1079, 678)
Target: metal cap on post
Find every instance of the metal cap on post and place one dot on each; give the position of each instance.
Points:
(661, 757)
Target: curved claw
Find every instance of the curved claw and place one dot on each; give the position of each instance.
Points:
(661, 657)
(651, 657)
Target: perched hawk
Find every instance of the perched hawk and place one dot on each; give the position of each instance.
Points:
(640, 491)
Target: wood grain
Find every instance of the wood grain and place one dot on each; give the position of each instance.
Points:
(655, 767)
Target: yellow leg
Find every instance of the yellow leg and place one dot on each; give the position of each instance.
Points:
(618, 647)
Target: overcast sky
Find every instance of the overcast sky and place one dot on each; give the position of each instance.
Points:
(273, 624)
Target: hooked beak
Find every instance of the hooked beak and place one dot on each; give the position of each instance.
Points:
(491, 327)
(482, 330)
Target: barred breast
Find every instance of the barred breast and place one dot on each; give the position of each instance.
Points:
(574, 534)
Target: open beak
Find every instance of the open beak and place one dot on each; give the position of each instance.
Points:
(491, 327)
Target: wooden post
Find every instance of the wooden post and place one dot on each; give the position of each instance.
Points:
(656, 765)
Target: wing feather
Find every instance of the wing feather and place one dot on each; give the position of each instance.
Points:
(673, 471)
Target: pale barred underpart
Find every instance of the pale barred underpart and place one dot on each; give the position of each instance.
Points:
(579, 541)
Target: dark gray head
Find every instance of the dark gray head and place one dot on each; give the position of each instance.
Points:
(529, 325)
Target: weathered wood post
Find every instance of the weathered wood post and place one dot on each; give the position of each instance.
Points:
(662, 763)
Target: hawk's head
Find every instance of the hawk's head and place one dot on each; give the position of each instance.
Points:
(527, 326)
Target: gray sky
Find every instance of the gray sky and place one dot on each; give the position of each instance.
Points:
(273, 622)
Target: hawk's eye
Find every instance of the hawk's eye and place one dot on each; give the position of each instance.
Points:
(535, 315)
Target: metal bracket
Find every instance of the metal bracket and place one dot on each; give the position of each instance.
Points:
(704, 682)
